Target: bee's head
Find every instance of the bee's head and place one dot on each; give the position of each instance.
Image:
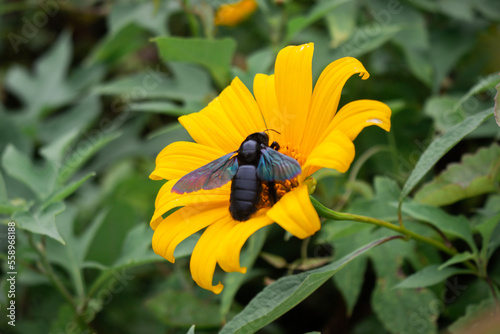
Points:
(249, 149)
(259, 137)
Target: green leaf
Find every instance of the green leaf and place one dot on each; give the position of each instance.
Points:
(458, 258)
(341, 22)
(137, 248)
(40, 179)
(475, 175)
(321, 9)
(167, 108)
(285, 293)
(440, 146)
(261, 61)
(485, 83)
(41, 222)
(72, 255)
(429, 276)
(47, 87)
(76, 119)
(142, 14)
(114, 47)
(490, 232)
(400, 310)
(67, 190)
(214, 55)
(55, 150)
(3, 191)
(188, 88)
(191, 330)
(452, 225)
(234, 281)
(84, 150)
(448, 46)
(350, 281)
(182, 309)
(360, 43)
(441, 110)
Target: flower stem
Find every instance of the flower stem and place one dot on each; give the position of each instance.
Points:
(327, 213)
(50, 273)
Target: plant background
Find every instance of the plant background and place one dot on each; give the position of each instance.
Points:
(90, 92)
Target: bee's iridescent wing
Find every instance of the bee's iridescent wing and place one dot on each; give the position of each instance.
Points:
(275, 166)
(213, 175)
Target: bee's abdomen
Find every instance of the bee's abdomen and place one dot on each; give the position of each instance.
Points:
(245, 192)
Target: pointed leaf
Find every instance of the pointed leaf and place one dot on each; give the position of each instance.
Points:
(214, 55)
(84, 150)
(72, 256)
(458, 258)
(452, 225)
(440, 146)
(66, 191)
(429, 276)
(40, 179)
(181, 309)
(490, 232)
(47, 87)
(137, 248)
(475, 175)
(285, 293)
(319, 11)
(41, 222)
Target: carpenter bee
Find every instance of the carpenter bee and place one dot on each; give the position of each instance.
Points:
(253, 163)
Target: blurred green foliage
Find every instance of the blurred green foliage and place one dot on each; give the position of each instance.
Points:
(90, 91)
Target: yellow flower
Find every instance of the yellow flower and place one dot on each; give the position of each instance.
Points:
(311, 130)
(234, 13)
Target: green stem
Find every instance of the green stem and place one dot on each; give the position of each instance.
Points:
(50, 272)
(193, 23)
(327, 213)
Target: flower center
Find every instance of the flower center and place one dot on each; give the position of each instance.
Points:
(280, 187)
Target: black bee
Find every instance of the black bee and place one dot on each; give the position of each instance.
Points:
(253, 163)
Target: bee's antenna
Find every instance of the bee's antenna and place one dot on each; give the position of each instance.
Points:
(273, 130)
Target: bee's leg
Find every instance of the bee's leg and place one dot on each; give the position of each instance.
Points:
(275, 146)
(273, 195)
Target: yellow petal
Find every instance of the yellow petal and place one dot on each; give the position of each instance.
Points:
(234, 13)
(265, 94)
(227, 120)
(206, 251)
(181, 224)
(355, 116)
(167, 200)
(208, 131)
(326, 96)
(295, 213)
(335, 151)
(229, 257)
(242, 109)
(180, 158)
(293, 73)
